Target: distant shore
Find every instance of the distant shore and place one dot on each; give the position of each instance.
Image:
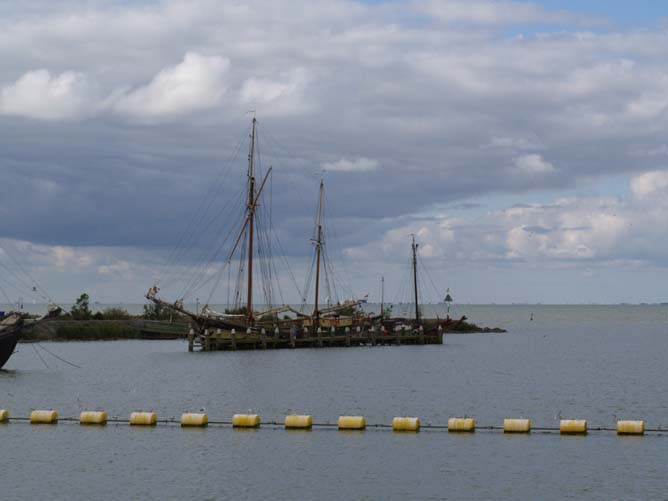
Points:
(104, 330)
(137, 328)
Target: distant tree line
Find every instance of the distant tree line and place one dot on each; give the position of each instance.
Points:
(81, 311)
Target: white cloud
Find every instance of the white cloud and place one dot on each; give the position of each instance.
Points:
(119, 268)
(533, 164)
(277, 96)
(64, 258)
(197, 83)
(600, 230)
(359, 164)
(650, 183)
(39, 94)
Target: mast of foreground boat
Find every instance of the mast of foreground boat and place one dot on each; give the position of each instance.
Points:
(318, 245)
(251, 217)
(414, 247)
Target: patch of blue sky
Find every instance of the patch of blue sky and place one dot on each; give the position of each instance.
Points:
(621, 12)
(617, 186)
(589, 15)
(597, 16)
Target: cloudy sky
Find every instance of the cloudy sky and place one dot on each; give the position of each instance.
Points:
(524, 143)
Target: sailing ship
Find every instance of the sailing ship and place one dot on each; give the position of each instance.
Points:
(341, 324)
(244, 318)
(346, 314)
(245, 325)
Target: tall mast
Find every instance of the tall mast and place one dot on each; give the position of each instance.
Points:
(382, 298)
(414, 246)
(251, 224)
(318, 246)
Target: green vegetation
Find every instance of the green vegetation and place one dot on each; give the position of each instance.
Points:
(81, 309)
(468, 328)
(114, 313)
(236, 311)
(154, 311)
(100, 331)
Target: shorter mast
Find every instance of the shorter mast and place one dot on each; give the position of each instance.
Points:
(318, 246)
(414, 247)
(382, 298)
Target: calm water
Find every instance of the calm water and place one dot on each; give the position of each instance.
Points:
(599, 363)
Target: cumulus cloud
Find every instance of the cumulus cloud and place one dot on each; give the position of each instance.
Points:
(533, 164)
(41, 95)
(196, 83)
(119, 268)
(629, 229)
(360, 164)
(63, 272)
(650, 183)
(274, 96)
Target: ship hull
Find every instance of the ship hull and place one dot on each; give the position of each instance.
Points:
(8, 340)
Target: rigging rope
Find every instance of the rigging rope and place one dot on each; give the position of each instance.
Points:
(423, 266)
(40, 356)
(191, 229)
(58, 357)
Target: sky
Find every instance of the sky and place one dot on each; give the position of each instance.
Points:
(522, 143)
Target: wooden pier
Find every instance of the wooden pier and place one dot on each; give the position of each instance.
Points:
(230, 340)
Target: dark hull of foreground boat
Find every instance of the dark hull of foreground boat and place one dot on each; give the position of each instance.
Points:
(8, 340)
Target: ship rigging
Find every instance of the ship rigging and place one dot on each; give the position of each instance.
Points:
(250, 244)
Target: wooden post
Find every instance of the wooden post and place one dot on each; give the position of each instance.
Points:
(191, 339)
(207, 341)
(347, 336)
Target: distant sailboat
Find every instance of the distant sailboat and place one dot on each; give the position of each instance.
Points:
(418, 323)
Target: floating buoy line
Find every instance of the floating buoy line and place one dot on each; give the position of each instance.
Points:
(305, 422)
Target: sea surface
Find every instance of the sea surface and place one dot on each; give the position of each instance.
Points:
(599, 363)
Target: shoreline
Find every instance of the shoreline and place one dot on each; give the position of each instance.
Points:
(152, 330)
(104, 330)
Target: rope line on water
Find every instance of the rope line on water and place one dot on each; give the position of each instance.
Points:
(378, 426)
